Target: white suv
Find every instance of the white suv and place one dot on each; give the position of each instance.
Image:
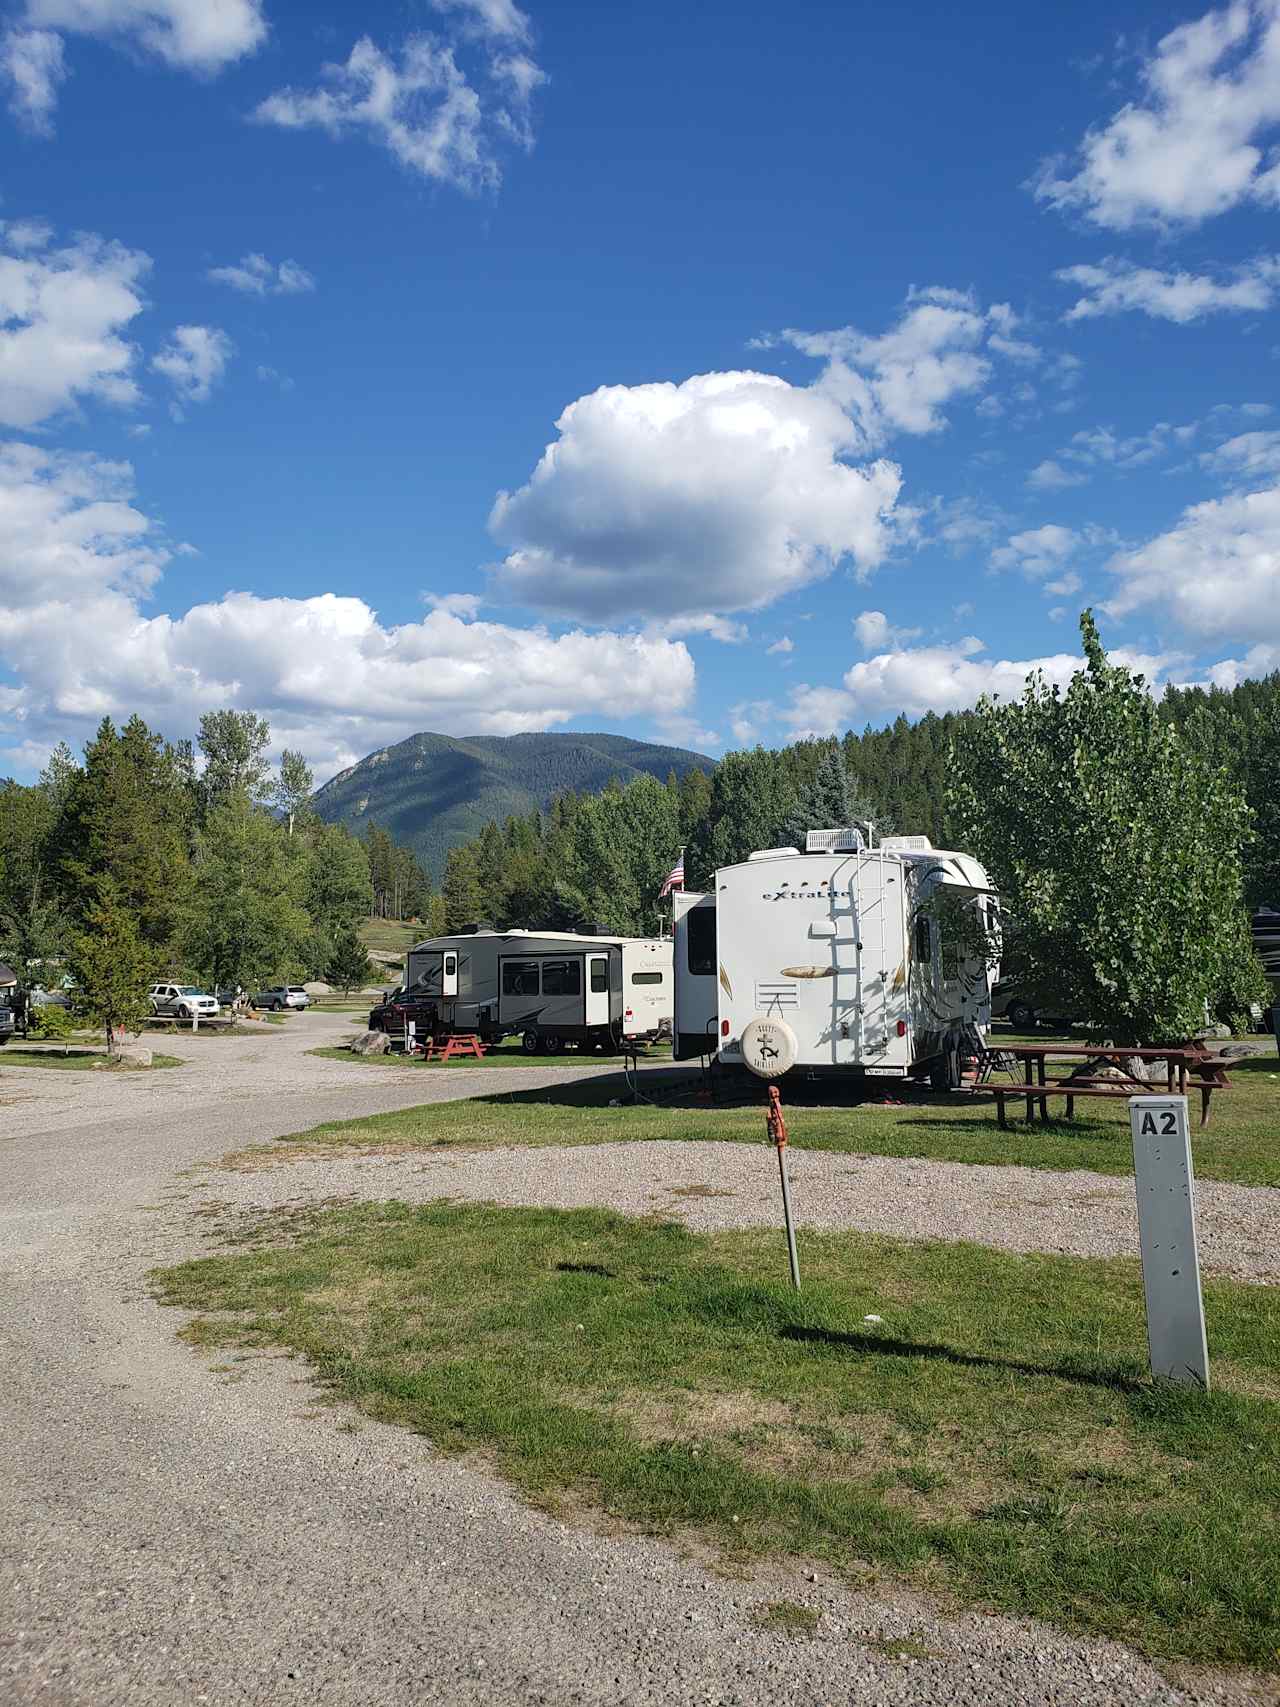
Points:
(184, 1001)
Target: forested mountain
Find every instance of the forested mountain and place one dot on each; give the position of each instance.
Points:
(433, 792)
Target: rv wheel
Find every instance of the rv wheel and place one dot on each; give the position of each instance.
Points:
(552, 1044)
(1022, 1017)
(530, 1042)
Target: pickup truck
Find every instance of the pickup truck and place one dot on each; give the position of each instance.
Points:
(398, 1007)
(8, 1023)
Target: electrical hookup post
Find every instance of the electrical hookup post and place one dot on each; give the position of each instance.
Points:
(1167, 1236)
(769, 1049)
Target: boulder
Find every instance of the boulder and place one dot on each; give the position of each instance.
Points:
(135, 1055)
(370, 1043)
(1238, 1051)
(1214, 1033)
(318, 989)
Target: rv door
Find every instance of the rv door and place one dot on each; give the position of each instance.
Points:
(695, 1026)
(597, 994)
(450, 985)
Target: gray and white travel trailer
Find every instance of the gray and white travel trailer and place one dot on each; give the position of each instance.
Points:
(548, 987)
(839, 949)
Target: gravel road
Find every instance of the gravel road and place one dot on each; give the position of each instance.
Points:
(172, 1535)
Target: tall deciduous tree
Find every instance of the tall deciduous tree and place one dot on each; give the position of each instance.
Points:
(234, 744)
(1116, 848)
(293, 787)
(246, 922)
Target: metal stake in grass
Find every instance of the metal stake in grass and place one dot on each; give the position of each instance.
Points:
(777, 1129)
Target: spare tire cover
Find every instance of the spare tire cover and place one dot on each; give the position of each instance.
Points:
(769, 1047)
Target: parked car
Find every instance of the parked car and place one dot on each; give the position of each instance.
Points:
(281, 996)
(1026, 1006)
(398, 1007)
(183, 1001)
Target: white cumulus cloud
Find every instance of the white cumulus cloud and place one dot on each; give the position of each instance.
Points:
(62, 316)
(1217, 572)
(901, 380)
(718, 494)
(1197, 142)
(1248, 456)
(1115, 286)
(420, 104)
(202, 36)
(874, 629)
(256, 276)
(194, 360)
(1038, 551)
(77, 556)
(914, 680)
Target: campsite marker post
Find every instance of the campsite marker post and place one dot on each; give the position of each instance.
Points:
(1167, 1237)
(777, 1128)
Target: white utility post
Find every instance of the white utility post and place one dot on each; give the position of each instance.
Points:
(1167, 1235)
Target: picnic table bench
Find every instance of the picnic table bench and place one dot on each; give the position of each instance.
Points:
(454, 1047)
(1188, 1067)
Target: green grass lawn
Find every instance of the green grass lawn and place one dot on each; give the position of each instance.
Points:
(79, 1060)
(993, 1438)
(390, 936)
(1242, 1143)
(506, 1054)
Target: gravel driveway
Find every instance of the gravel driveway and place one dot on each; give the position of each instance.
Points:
(172, 1535)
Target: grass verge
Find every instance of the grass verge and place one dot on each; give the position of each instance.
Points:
(79, 1060)
(994, 1439)
(1242, 1144)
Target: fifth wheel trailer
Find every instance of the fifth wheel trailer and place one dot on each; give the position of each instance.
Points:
(839, 947)
(547, 987)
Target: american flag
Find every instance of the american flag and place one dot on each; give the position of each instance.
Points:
(675, 878)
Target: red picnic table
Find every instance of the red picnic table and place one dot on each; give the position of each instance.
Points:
(1186, 1065)
(448, 1048)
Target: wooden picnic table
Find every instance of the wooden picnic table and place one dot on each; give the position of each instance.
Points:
(1187, 1065)
(459, 1044)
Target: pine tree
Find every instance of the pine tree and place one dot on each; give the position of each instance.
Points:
(461, 893)
(113, 967)
(348, 965)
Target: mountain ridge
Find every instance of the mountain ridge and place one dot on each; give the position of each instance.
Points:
(432, 792)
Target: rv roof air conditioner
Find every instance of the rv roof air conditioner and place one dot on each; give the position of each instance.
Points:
(907, 844)
(772, 853)
(847, 840)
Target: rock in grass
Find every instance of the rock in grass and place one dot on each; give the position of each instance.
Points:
(137, 1055)
(316, 988)
(371, 1043)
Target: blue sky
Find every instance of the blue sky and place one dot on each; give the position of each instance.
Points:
(710, 373)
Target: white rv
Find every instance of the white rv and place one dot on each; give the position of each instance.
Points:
(547, 987)
(837, 948)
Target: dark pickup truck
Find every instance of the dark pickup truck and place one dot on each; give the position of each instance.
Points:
(8, 1022)
(395, 1010)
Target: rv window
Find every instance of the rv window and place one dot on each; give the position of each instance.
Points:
(450, 965)
(520, 977)
(700, 939)
(599, 976)
(924, 943)
(562, 977)
(646, 977)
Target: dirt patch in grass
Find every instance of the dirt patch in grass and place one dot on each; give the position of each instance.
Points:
(786, 1618)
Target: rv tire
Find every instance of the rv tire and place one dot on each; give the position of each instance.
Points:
(1022, 1017)
(551, 1044)
(531, 1043)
